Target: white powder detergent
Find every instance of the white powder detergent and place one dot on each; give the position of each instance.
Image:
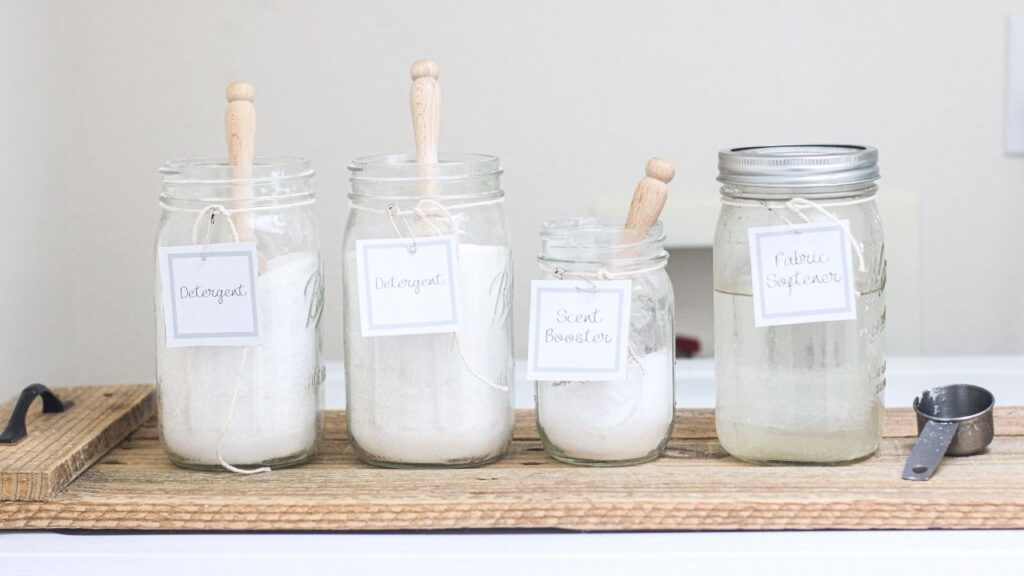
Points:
(610, 421)
(276, 411)
(415, 400)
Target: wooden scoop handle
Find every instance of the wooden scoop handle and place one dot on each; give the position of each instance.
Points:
(240, 123)
(650, 195)
(240, 130)
(425, 103)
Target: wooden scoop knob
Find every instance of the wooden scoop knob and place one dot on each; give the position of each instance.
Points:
(240, 91)
(650, 195)
(425, 103)
(424, 68)
(660, 170)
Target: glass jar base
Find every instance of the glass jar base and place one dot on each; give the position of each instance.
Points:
(558, 454)
(606, 463)
(374, 460)
(468, 463)
(784, 462)
(275, 464)
(798, 444)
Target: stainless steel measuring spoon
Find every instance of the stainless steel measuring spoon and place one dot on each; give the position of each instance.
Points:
(954, 420)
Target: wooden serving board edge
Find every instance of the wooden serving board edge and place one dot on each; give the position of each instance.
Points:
(636, 515)
(38, 476)
(940, 504)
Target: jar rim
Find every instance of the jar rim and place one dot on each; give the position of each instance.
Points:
(219, 171)
(801, 166)
(756, 194)
(594, 240)
(405, 168)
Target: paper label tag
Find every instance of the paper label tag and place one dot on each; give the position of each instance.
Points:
(802, 273)
(579, 330)
(209, 294)
(406, 288)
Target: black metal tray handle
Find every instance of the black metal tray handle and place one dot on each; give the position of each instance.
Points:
(15, 429)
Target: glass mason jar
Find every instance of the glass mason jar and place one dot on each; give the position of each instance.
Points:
(433, 400)
(618, 422)
(808, 392)
(235, 407)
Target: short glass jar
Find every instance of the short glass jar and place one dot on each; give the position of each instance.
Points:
(620, 422)
(239, 407)
(433, 400)
(809, 392)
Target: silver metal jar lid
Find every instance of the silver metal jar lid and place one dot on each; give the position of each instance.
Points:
(812, 165)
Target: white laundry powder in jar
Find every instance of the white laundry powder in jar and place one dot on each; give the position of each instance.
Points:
(276, 411)
(414, 400)
(613, 421)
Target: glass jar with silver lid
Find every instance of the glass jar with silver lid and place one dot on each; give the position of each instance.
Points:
(800, 391)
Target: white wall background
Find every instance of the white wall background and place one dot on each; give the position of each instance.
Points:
(573, 95)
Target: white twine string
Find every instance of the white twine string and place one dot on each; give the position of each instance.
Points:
(426, 210)
(213, 210)
(429, 202)
(457, 346)
(635, 357)
(393, 213)
(799, 204)
(604, 274)
(227, 211)
(227, 421)
(831, 203)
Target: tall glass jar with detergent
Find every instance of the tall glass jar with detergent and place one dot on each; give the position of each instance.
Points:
(801, 377)
(629, 420)
(226, 401)
(428, 365)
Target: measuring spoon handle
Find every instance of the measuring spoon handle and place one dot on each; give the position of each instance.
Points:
(931, 446)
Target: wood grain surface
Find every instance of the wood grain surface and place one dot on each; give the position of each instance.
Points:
(61, 446)
(696, 486)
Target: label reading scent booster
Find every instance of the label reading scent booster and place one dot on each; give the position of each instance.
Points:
(579, 330)
(802, 273)
(408, 288)
(209, 294)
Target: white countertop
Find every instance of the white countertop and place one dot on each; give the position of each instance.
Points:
(992, 553)
(766, 553)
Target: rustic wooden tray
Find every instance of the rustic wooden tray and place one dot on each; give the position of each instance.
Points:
(694, 487)
(61, 446)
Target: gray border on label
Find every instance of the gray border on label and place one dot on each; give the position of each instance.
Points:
(618, 330)
(848, 306)
(371, 326)
(174, 301)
